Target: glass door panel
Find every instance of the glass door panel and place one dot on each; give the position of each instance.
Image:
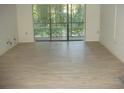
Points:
(76, 21)
(59, 22)
(41, 22)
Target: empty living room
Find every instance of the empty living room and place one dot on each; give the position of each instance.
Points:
(61, 46)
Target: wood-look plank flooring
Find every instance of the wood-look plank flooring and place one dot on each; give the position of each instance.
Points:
(74, 65)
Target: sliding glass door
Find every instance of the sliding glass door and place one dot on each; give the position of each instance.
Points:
(41, 23)
(59, 22)
(76, 22)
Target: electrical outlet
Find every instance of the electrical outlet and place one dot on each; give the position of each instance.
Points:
(98, 31)
(14, 39)
(7, 42)
(10, 43)
(26, 33)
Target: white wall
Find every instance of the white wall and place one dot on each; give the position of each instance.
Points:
(25, 25)
(92, 22)
(112, 29)
(8, 28)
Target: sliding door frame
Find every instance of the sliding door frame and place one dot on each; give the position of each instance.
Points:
(67, 25)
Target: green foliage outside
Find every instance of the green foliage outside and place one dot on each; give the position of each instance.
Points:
(45, 14)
